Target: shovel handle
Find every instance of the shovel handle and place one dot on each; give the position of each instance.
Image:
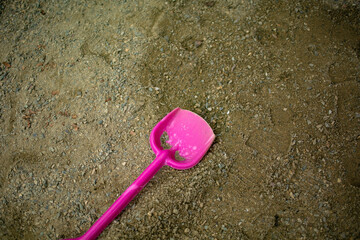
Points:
(115, 209)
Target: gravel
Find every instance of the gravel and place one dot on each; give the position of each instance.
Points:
(82, 84)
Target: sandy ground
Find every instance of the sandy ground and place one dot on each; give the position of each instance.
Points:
(82, 84)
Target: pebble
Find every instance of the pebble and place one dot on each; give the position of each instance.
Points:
(198, 43)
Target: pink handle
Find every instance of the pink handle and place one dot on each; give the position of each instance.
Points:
(126, 197)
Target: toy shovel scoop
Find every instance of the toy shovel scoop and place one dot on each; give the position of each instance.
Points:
(188, 135)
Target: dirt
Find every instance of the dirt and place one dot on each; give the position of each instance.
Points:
(83, 84)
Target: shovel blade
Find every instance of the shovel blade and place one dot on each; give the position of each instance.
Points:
(188, 134)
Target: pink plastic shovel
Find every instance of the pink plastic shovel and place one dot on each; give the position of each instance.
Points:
(188, 134)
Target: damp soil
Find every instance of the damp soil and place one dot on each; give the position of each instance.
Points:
(82, 84)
